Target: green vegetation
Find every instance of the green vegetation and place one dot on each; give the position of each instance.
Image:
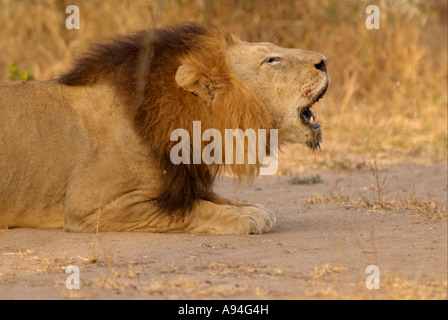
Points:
(306, 180)
(16, 74)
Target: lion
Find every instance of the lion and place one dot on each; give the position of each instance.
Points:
(89, 151)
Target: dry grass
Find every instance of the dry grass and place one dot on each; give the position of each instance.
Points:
(321, 271)
(402, 289)
(388, 90)
(194, 289)
(428, 208)
(238, 270)
(380, 200)
(391, 288)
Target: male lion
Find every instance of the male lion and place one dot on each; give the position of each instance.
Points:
(90, 150)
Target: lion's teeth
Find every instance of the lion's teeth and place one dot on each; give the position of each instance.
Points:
(313, 119)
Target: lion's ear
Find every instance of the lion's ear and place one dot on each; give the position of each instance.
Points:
(192, 80)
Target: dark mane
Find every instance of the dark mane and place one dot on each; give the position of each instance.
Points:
(102, 59)
(119, 59)
(142, 69)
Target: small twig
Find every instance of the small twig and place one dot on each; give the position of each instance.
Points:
(93, 257)
(380, 184)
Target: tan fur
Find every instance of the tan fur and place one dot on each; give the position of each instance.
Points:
(92, 147)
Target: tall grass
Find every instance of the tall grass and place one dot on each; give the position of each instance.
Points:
(388, 93)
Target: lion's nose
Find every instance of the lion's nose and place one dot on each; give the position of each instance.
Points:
(322, 65)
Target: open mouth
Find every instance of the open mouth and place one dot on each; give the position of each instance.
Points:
(308, 116)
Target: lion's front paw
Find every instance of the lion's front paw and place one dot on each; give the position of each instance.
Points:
(212, 218)
(254, 220)
(240, 220)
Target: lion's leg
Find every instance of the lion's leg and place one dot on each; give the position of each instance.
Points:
(132, 212)
(92, 205)
(213, 218)
(220, 199)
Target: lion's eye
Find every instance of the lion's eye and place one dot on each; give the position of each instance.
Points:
(272, 59)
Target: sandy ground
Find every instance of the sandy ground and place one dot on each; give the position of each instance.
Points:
(316, 251)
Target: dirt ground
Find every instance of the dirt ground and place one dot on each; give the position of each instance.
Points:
(317, 250)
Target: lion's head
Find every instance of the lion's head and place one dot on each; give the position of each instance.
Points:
(170, 77)
(288, 82)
